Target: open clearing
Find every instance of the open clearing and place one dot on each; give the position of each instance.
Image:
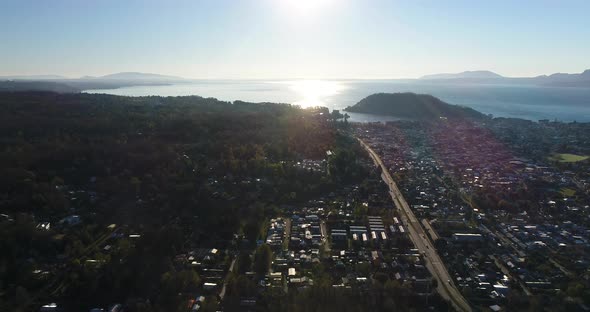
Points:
(568, 158)
(567, 192)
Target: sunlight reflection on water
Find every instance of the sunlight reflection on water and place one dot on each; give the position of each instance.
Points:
(518, 101)
(314, 92)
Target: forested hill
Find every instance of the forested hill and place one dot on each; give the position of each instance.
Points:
(172, 169)
(51, 86)
(165, 150)
(411, 105)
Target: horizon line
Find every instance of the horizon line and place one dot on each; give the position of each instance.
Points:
(171, 76)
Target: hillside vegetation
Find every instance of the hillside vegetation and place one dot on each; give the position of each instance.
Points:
(411, 105)
(50, 86)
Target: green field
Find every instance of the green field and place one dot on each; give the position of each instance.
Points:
(567, 158)
(567, 192)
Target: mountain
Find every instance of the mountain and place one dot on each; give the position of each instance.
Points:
(32, 77)
(488, 77)
(51, 86)
(565, 80)
(112, 81)
(477, 74)
(139, 76)
(411, 105)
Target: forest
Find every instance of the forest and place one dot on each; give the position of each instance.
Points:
(81, 171)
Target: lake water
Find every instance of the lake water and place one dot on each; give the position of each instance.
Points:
(520, 101)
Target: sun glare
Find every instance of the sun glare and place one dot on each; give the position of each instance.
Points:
(305, 7)
(314, 92)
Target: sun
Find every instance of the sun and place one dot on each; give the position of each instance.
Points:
(305, 6)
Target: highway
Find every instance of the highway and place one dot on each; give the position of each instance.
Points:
(229, 273)
(435, 265)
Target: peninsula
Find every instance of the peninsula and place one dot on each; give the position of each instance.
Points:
(411, 105)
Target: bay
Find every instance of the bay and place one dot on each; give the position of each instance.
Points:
(518, 101)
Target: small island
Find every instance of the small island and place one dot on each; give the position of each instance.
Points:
(411, 105)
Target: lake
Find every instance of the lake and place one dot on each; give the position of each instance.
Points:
(519, 101)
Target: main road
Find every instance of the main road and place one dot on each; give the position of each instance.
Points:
(446, 288)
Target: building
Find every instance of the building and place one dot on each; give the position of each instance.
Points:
(467, 237)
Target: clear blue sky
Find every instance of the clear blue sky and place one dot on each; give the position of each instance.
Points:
(293, 38)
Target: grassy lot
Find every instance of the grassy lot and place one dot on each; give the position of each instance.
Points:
(567, 158)
(567, 192)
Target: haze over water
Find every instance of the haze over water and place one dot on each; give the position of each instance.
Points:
(518, 101)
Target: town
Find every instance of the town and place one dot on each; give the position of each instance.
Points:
(408, 215)
(501, 220)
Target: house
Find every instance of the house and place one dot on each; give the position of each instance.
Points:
(339, 238)
(71, 220)
(50, 307)
(116, 308)
(467, 237)
(209, 286)
(495, 308)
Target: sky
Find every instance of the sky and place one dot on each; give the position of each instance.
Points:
(283, 39)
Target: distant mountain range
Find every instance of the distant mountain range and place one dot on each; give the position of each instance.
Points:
(411, 105)
(138, 76)
(69, 85)
(116, 76)
(24, 85)
(567, 80)
(478, 74)
(128, 79)
(488, 77)
(32, 77)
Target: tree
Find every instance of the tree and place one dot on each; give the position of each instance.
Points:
(22, 295)
(244, 262)
(252, 229)
(136, 183)
(262, 260)
(381, 277)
